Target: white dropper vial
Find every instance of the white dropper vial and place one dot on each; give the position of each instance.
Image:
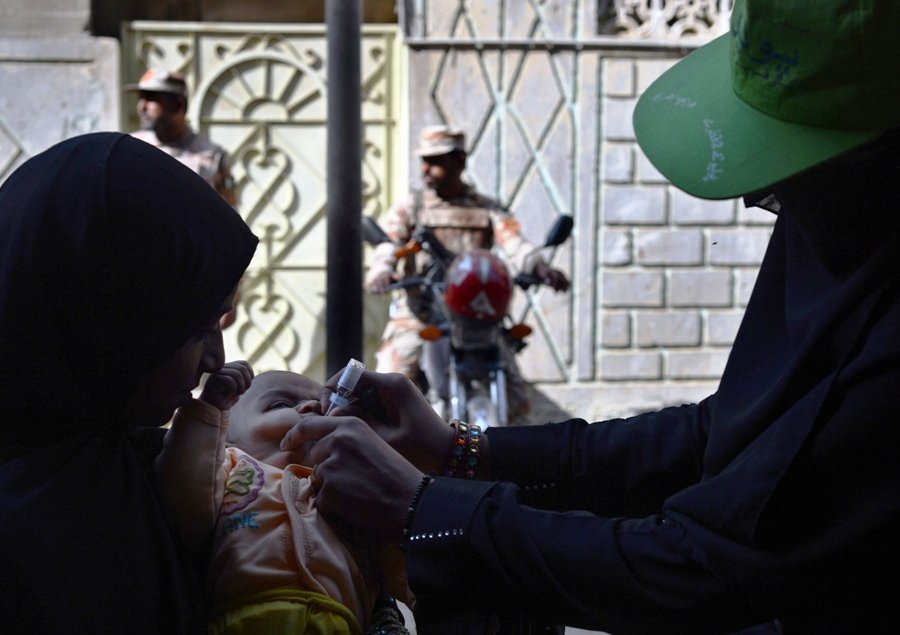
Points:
(346, 385)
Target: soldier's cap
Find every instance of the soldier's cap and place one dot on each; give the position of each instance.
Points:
(437, 140)
(793, 84)
(160, 80)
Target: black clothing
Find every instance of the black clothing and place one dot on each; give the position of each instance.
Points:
(778, 497)
(112, 255)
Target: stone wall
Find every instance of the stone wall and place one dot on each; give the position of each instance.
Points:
(107, 16)
(36, 18)
(56, 81)
(674, 272)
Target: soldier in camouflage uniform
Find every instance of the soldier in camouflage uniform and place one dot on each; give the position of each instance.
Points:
(161, 108)
(462, 219)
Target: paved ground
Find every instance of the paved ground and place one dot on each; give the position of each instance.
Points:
(412, 628)
(543, 409)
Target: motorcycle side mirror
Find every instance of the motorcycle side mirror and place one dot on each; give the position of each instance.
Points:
(560, 231)
(372, 232)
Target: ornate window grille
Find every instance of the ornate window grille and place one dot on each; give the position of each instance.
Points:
(664, 19)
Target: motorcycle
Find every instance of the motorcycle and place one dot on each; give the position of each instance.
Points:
(464, 301)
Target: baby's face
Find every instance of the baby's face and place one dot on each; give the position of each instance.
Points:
(270, 407)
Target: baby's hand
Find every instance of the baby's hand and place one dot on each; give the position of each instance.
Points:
(224, 387)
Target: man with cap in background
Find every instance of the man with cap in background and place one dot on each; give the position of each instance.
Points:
(161, 108)
(462, 219)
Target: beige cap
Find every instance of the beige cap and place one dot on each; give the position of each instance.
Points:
(437, 140)
(159, 80)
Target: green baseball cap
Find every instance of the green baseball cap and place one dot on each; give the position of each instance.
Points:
(792, 85)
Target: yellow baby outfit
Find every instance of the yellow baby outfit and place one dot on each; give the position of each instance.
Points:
(275, 565)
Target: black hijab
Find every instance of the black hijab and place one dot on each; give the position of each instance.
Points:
(112, 255)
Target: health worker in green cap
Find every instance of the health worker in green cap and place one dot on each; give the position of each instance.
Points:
(772, 505)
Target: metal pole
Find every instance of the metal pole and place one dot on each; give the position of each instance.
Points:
(344, 301)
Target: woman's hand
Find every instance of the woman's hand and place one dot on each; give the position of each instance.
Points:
(357, 475)
(394, 407)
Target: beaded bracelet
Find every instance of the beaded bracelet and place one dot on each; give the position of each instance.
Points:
(463, 460)
(411, 510)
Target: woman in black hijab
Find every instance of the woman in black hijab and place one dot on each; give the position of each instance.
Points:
(776, 498)
(115, 264)
(774, 501)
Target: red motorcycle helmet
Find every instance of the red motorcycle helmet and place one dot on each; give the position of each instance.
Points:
(479, 286)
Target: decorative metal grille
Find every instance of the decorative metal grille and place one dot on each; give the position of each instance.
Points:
(262, 95)
(476, 67)
(665, 19)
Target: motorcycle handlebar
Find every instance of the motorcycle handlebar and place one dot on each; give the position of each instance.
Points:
(521, 280)
(407, 283)
(372, 232)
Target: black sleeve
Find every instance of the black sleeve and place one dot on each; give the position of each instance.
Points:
(618, 575)
(619, 467)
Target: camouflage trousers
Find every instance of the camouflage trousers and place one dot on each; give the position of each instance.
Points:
(401, 352)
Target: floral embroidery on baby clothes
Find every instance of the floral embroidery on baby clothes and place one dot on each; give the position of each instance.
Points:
(242, 485)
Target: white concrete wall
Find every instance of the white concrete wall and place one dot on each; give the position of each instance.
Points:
(35, 18)
(55, 80)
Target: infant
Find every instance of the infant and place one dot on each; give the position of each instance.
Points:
(275, 564)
